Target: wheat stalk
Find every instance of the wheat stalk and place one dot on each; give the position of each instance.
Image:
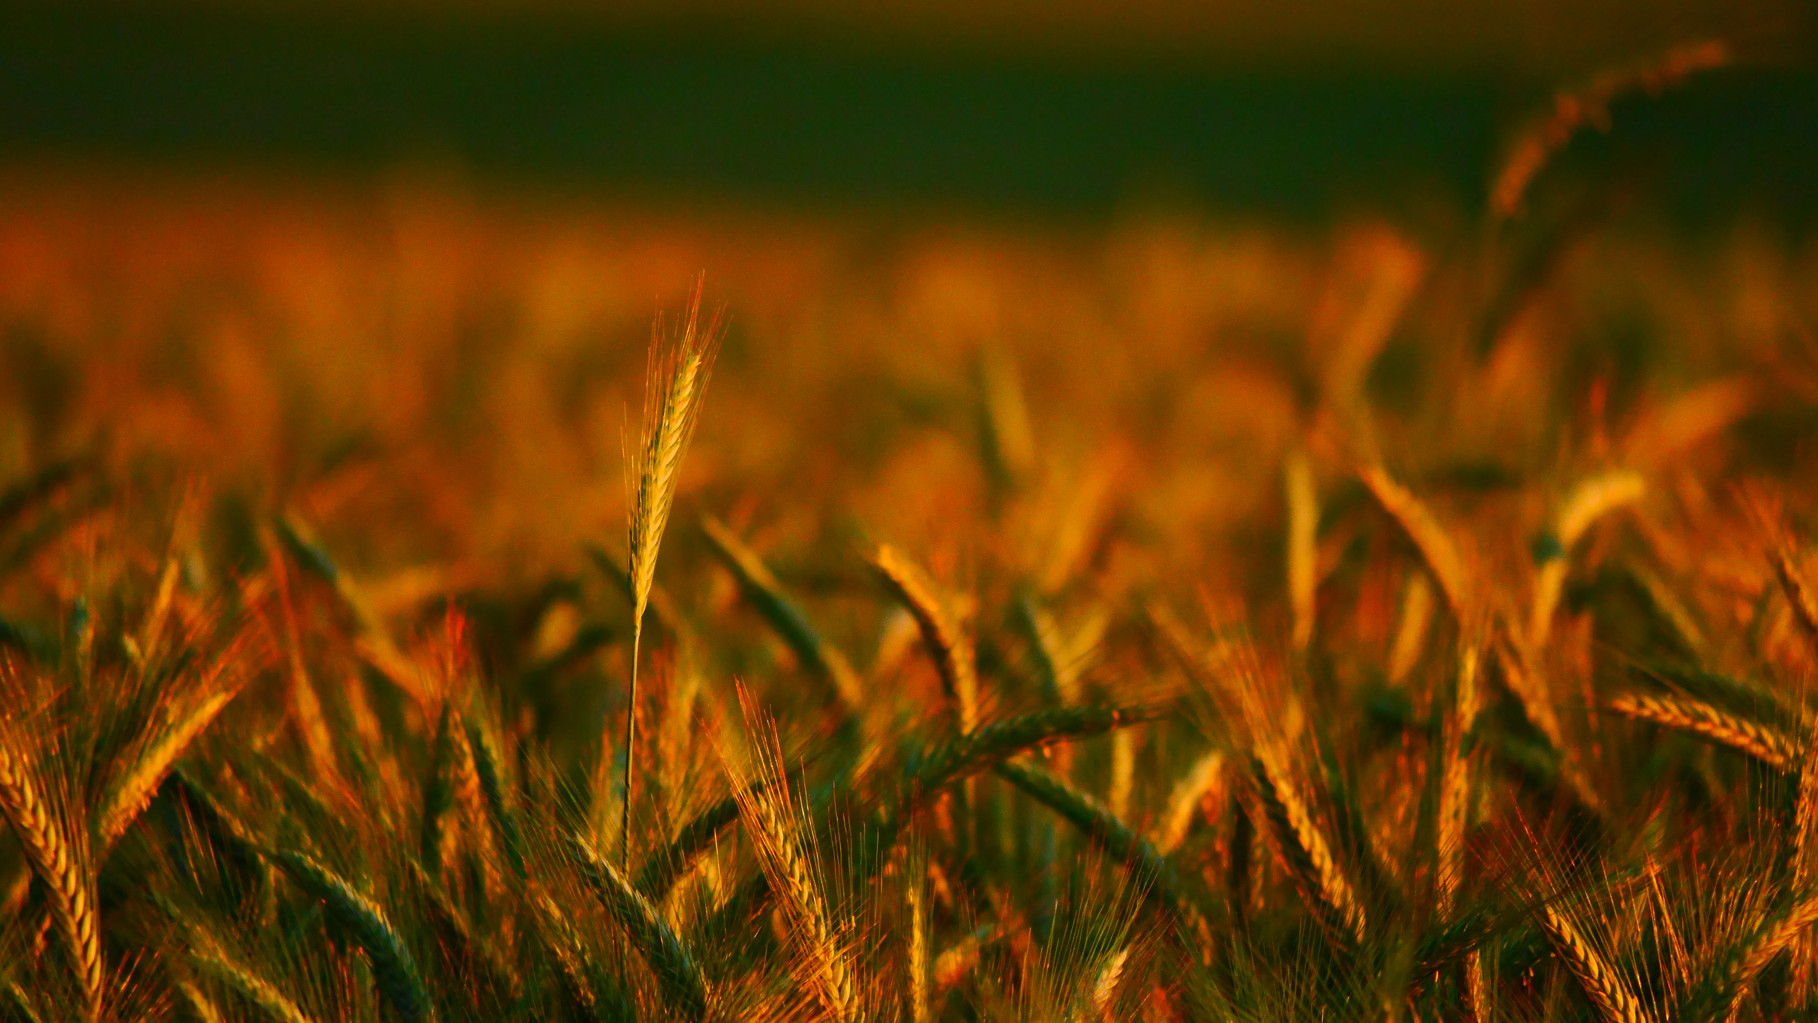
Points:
(1766, 744)
(1798, 595)
(1598, 978)
(58, 854)
(1805, 856)
(672, 403)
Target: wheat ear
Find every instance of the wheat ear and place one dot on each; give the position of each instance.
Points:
(1595, 974)
(919, 1008)
(1776, 935)
(1456, 781)
(492, 785)
(1436, 548)
(274, 1004)
(952, 653)
(1766, 744)
(393, 967)
(1588, 502)
(762, 591)
(1798, 594)
(777, 831)
(200, 1007)
(662, 949)
(1590, 106)
(58, 854)
(566, 948)
(677, 380)
(1805, 857)
(1149, 867)
(1203, 779)
(130, 791)
(1302, 495)
(1301, 844)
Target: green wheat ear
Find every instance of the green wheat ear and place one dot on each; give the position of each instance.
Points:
(677, 379)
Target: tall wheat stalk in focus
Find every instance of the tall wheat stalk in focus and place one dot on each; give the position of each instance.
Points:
(677, 379)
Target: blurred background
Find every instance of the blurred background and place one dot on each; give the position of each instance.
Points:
(991, 107)
(396, 262)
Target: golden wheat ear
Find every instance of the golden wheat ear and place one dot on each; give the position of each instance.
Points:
(678, 373)
(58, 852)
(784, 839)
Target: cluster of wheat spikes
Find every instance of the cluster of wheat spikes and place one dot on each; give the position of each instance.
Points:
(1294, 685)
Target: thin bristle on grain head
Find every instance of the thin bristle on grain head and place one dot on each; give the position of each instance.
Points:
(940, 632)
(1763, 742)
(393, 966)
(1601, 983)
(681, 980)
(58, 854)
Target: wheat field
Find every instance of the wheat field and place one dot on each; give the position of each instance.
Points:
(419, 603)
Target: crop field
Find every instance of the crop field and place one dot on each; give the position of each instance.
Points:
(419, 603)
